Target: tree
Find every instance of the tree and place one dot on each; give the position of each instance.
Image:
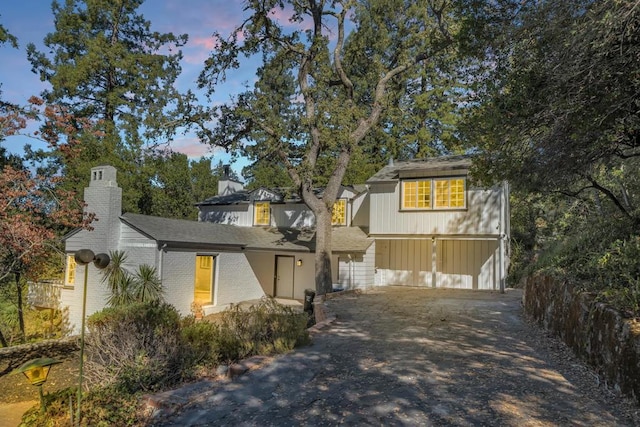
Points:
(562, 115)
(33, 213)
(171, 191)
(204, 180)
(320, 92)
(106, 67)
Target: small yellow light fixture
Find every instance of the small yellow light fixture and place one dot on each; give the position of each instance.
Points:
(299, 262)
(37, 371)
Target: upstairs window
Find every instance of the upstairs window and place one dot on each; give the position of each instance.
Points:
(70, 277)
(339, 212)
(416, 194)
(262, 213)
(447, 193)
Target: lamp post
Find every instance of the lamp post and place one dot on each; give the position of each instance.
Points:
(37, 371)
(84, 257)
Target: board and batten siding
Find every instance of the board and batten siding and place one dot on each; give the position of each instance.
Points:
(481, 217)
(468, 264)
(458, 263)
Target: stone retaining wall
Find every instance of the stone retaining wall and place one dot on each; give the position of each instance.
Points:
(596, 333)
(61, 349)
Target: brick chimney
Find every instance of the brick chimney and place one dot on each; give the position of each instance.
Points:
(226, 184)
(104, 199)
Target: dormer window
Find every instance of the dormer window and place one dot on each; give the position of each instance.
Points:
(339, 212)
(436, 193)
(262, 213)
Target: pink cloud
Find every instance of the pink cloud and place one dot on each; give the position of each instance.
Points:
(191, 146)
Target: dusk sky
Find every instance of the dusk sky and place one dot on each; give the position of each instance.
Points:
(31, 20)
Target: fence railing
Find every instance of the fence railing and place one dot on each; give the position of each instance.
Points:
(45, 293)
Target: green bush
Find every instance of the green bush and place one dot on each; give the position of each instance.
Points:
(266, 328)
(199, 340)
(135, 347)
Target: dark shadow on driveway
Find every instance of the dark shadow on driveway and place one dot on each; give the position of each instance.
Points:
(407, 356)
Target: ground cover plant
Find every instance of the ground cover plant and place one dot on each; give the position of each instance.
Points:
(138, 348)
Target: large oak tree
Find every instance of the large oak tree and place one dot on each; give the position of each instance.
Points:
(330, 73)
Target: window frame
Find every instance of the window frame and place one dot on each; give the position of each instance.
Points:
(256, 210)
(435, 192)
(71, 267)
(342, 201)
(211, 264)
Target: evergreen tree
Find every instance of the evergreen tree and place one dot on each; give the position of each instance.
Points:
(105, 67)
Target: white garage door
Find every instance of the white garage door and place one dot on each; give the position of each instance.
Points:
(465, 264)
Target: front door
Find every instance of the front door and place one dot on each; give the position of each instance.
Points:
(203, 289)
(284, 276)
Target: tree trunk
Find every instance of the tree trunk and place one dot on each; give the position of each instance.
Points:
(324, 284)
(2, 340)
(20, 310)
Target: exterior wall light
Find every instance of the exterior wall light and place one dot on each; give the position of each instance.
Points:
(84, 257)
(299, 262)
(37, 371)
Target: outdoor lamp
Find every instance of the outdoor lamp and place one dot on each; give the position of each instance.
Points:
(84, 257)
(37, 371)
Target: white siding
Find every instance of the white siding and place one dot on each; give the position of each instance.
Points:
(360, 210)
(241, 214)
(292, 215)
(468, 264)
(404, 262)
(178, 278)
(355, 271)
(482, 216)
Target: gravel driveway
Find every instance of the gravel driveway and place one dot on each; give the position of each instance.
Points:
(407, 356)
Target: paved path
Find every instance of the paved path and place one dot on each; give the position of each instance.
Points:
(399, 356)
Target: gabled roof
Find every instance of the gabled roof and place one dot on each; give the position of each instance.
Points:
(185, 233)
(420, 168)
(178, 233)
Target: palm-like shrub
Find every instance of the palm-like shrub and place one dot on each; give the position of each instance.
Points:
(146, 284)
(125, 288)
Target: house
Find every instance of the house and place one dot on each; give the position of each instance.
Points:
(415, 223)
(433, 228)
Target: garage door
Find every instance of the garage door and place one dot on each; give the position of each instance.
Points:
(404, 262)
(465, 264)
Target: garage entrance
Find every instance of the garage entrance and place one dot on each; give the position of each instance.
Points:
(456, 263)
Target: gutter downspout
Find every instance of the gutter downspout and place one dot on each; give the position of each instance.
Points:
(350, 268)
(160, 261)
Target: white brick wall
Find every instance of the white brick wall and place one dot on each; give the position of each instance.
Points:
(235, 280)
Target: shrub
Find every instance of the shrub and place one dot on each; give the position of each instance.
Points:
(100, 407)
(199, 340)
(134, 347)
(266, 328)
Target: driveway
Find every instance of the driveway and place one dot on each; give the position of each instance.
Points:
(407, 356)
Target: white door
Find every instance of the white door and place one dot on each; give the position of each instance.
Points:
(284, 276)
